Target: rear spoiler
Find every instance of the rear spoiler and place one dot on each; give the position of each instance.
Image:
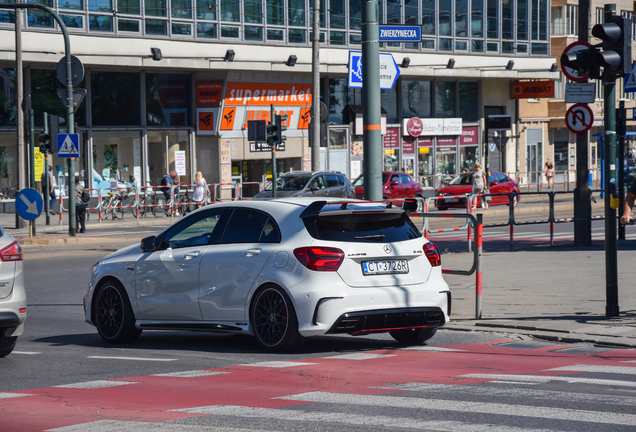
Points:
(315, 207)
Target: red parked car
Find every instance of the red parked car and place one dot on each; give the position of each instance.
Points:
(395, 185)
(498, 182)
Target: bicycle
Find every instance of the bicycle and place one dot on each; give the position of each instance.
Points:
(151, 201)
(118, 202)
(183, 203)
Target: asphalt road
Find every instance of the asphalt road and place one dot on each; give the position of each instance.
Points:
(62, 377)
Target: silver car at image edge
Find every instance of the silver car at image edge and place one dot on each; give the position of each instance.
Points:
(280, 270)
(13, 302)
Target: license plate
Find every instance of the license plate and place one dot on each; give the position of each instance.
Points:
(385, 267)
(451, 199)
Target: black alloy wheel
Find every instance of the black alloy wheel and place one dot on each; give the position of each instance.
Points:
(114, 317)
(274, 320)
(7, 343)
(413, 336)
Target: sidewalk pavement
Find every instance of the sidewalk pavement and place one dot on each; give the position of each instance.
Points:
(550, 293)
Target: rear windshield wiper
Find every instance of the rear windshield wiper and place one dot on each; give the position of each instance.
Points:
(377, 237)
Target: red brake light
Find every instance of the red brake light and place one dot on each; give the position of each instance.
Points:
(13, 252)
(432, 253)
(320, 258)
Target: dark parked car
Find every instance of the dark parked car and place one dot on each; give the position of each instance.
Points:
(395, 185)
(311, 184)
(498, 182)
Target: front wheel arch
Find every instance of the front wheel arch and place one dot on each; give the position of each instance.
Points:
(112, 312)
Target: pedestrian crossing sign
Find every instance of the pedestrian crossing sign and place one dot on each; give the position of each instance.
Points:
(630, 80)
(68, 145)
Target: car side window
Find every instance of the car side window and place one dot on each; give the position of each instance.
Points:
(341, 180)
(404, 179)
(318, 182)
(332, 180)
(250, 226)
(395, 177)
(198, 229)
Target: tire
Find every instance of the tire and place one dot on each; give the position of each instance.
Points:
(160, 209)
(7, 343)
(274, 320)
(419, 204)
(114, 317)
(413, 336)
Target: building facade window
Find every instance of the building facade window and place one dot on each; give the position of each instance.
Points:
(571, 20)
(116, 98)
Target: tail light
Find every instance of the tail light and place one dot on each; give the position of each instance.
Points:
(432, 253)
(13, 252)
(320, 258)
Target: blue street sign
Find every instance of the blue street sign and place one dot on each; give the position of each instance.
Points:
(389, 70)
(398, 33)
(68, 145)
(28, 204)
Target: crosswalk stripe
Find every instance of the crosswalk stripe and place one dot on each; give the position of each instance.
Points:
(431, 349)
(544, 379)
(191, 374)
(515, 410)
(277, 364)
(96, 384)
(127, 426)
(349, 418)
(13, 395)
(624, 370)
(360, 356)
(131, 358)
(508, 393)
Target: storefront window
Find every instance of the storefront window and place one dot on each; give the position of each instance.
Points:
(116, 157)
(416, 99)
(389, 103)
(115, 98)
(7, 97)
(176, 146)
(8, 154)
(392, 149)
(444, 99)
(446, 156)
(425, 161)
(167, 99)
(467, 158)
(44, 98)
(469, 97)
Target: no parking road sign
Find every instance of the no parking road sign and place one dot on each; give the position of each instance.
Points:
(579, 118)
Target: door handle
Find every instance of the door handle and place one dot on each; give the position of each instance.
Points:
(251, 252)
(191, 255)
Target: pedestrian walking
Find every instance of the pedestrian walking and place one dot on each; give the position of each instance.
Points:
(479, 185)
(629, 204)
(80, 207)
(51, 190)
(200, 189)
(549, 172)
(167, 183)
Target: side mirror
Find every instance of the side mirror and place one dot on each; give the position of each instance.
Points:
(148, 244)
(493, 183)
(394, 183)
(313, 188)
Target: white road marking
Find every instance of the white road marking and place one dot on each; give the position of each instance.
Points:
(514, 410)
(278, 364)
(624, 370)
(349, 418)
(127, 426)
(545, 379)
(13, 395)
(26, 352)
(191, 374)
(431, 349)
(131, 358)
(96, 384)
(360, 356)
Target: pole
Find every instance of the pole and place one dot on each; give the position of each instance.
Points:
(46, 187)
(32, 163)
(371, 102)
(582, 192)
(478, 270)
(611, 268)
(314, 138)
(19, 82)
(273, 144)
(621, 166)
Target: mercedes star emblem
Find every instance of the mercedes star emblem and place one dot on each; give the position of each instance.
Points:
(387, 249)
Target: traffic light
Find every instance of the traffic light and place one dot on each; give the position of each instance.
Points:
(273, 134)
(582, 62)
(45, 143)
(281, 122)
(616, 34)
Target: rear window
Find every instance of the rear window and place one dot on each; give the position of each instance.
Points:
(368, 227)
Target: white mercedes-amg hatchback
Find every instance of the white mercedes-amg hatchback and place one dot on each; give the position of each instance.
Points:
(13, 301)
(281, 270)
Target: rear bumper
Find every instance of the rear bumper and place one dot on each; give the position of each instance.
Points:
(376, 321)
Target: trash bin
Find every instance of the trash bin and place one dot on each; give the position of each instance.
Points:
(589, 180)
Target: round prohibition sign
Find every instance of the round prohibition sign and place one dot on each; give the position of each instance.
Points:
(569, 72)
(579, 118)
